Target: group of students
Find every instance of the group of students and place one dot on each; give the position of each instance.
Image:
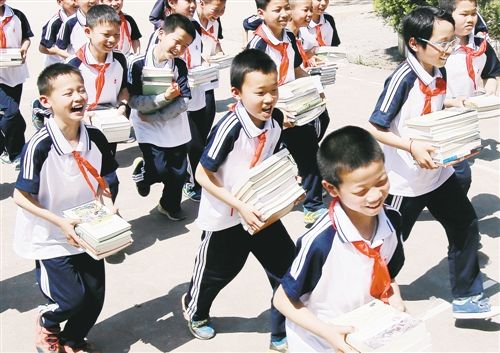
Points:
(354, 248)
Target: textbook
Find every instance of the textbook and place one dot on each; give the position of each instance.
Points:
(453, 132)
(327, 72)
(329, 54)
(156, 80)
(271, 187)
(101, 232)
(381, 328)
(10, 57)
(301, 98)
(221, 59)
(203, 74)
(115, 127)
(487, 106)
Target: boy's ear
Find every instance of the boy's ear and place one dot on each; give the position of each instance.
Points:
(412, 43)
(236, 93)
(44, 100)
(87, 31)
(260, 13)
(332, 190)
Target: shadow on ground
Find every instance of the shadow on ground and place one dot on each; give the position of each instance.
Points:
(20, 293)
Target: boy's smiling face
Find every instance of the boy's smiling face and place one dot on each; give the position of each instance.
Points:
(69, 6)
(104, 36)
(213, 10)
(117, 5)
(85, 5)
(173, 45)
(362, 190)
(183, 7)
(465, 16)
(301, 12)
(259, 94)
(67, 99)
(319, 7)
(433, 55)
(276, 15)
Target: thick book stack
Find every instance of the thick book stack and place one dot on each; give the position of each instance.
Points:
(301, 98)
(156, 80)
(330, 54)
(487, 106)
(114, 126)
(379, 327)
(454, 133)
(327, 72)
(201, 75)
(102, 233)
(221, 59)
(10, 57)
(271, 187)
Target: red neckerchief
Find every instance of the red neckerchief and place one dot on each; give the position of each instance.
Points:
(84, 166)
(302, 52)
(381, 280)
(209, 33)
(258, 150)
(3, 39)
(470, 54)
(319, 36)
(124, 32)
(429, 93)
(101, 71)
(282, 49)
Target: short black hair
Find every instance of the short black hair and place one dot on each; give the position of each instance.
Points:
(451, 5)
(262, 4)
(174, 21)
(250, 60)
(100, 14)
(345, 150)
(51, 73)
(419, 23)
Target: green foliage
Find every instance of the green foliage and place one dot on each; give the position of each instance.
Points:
(393, 11)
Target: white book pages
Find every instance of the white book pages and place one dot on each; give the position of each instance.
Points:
(268, 183)
(280, 187)
(310, 115)
(470, 122)
(440, 117)
(483, 102)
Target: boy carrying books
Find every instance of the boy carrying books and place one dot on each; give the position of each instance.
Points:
(238, 142)
(65, 155)
(351, 255)
(72, 34)
(322, 30)
(416, 88)
(471, 61)
(160, 121)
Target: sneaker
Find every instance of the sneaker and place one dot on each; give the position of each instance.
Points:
(475, 307)
(191, 192)
(39, 114)
(85, 347)
(279, 345)
(4, 158)
(311, 216)
(138, 177)
(172, 215)
(46, 340)
(202, 329)
(17, 164)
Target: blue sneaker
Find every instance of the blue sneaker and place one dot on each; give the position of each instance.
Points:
(138, 177)
(202, 329)
(191, 192)
(311, 216)
(475, 307)
(280, 345)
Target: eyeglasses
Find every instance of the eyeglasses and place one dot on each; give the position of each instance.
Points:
(442, 46)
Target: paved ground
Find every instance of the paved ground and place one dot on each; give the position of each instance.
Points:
(144, 285)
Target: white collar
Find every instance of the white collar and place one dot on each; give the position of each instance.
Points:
(271, 37)
(209, 23)
(7, 12)
(249, 127)
(321, 21)
(62, 15)
(62, 145)
(90, 58)
(348, 233)
(82, 19)
(420, 71)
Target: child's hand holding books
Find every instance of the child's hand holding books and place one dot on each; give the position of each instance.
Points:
(67, 226)
(251, 216)
(421, 152)
(336, 337)
(172, 91)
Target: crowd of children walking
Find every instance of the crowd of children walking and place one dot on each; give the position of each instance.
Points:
(353, 250)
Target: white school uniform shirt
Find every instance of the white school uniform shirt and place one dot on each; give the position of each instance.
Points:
(228, 153)
(134, 32)
(115, 76)
(327, 31)
(17, 29)
(50, 33)
(331, 277)
(458, 81)
(197, 101)
(208, 44)
(49, 172)
(72, 35)
(401, 100)
(294, 57)
(166, 133)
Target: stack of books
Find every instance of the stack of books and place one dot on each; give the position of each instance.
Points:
(10, 57)
(271, 187)
(114, 126)
(327, 72)
(379, 327)
(330, 54)
(102, 233)
(487, 106)
(201, 75)
(302, 99)
(454, 133)
(221, 59)
(156, 80)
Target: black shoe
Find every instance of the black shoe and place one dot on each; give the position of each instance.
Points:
(138, 177)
